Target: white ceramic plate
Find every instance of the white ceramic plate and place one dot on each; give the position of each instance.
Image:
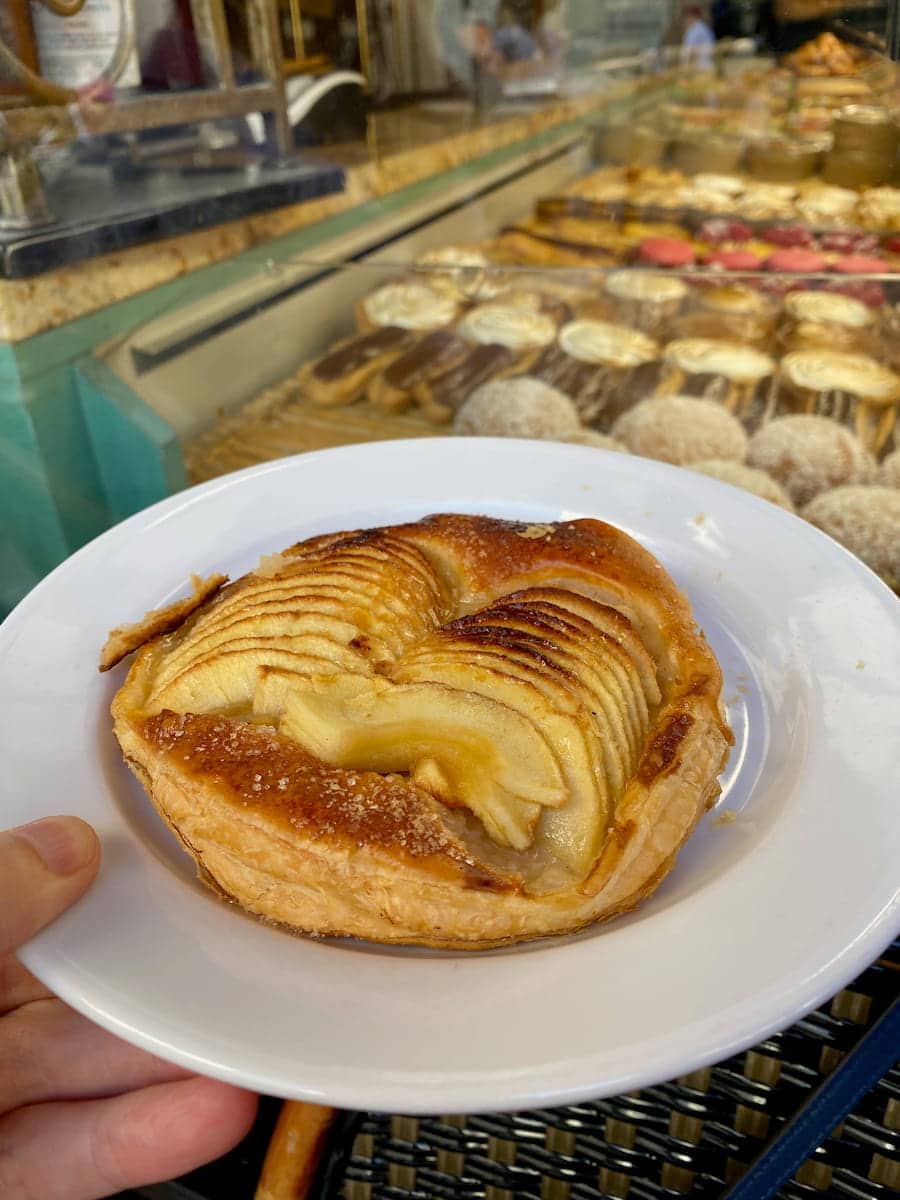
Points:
(786, 892)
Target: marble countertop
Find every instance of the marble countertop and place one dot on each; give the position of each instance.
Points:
(402, 147)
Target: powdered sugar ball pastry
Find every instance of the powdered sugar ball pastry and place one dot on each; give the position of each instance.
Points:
(865, 520)
(681, 429)
(889, 471)
(518, 407)
(748, 478)
(601, 441)
(808, 455)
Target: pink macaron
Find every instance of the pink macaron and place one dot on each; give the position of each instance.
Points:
(724, 229)
(860, 264)
(667, 252)
(789, 236)
(795, 260)
(850, 241)
(867, 291)
(734, 260)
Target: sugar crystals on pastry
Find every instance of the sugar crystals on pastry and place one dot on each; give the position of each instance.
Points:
(459, 732)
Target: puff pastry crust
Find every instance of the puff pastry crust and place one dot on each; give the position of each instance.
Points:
(459, 732)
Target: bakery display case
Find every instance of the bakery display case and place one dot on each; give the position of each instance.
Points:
(410, 221)
(785, 385)
(620, 222)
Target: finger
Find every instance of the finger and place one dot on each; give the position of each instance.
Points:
(79, 1150)
(44, 868)
(18, 986)
(50, 1052)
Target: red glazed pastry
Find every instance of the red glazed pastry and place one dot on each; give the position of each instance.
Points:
(851, 241)
(723, 229)
(795, 261)
(869, 291)
(789, 236)
(860, 264)
(892, 244)
(667, 252)
(734, 260)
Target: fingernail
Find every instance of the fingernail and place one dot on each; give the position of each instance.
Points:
(64, 844)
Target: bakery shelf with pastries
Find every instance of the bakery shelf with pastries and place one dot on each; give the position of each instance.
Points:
(655, 363)
(710, 222)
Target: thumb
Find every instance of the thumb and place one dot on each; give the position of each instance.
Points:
(44, 868)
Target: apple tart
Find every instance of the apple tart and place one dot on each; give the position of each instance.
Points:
(459, 733)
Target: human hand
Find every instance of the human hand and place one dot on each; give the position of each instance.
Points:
(83, 1114)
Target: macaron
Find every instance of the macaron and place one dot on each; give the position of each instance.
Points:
(724, 229)
(734, 260)
(860, 264)
(868, 291)
(795, 260)
(851, 241)
(667, 252)
(789, 236)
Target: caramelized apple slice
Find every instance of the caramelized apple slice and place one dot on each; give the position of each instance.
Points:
(495, 761)
(590, 653)
(575, 838)
(229, 682)
(605, 705)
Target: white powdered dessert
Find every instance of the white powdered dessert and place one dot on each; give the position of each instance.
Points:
(409, 306)
(829, 307)
(506, 325)
(603, 342)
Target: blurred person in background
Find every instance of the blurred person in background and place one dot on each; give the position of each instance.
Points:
(697, 41)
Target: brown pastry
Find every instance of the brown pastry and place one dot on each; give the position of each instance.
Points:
(457, 733)
(827, 319)
(504, 339)
(780, 160)
(440, 398)
(464, 272)
(879, 209)
(341, 375)
(648, 300)
(852, 388)
(407, 306)
(737, 376)
(594, 361)
(545, 247)
(430, 356)
(733, 311)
